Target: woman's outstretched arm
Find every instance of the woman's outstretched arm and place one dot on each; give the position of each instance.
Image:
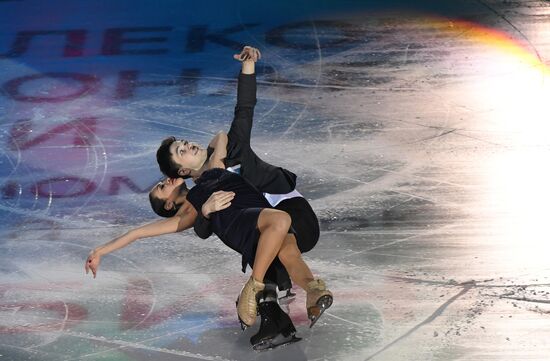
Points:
(183, 220)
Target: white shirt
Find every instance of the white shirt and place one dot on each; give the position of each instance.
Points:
(273, 199)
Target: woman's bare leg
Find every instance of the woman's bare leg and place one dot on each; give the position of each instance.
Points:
(319, 298)
(291, 257)
(273, 225)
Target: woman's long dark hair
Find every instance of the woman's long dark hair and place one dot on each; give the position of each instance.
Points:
(157, 204)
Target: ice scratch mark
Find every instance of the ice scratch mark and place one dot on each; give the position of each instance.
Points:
(432, 317)
(126, 344)
(28, 350)
(513, 27)
(432, 137)
(344, 320)
(522, 299)
(319, 73)
(283, 61)
(399, 256)
(304, 85)
(424, 234)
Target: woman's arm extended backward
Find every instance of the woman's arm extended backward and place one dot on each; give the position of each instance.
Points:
(183, 220)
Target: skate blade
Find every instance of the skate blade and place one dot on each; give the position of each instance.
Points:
(276, 342)
(287, 299)
(244, 326)
(315, 312)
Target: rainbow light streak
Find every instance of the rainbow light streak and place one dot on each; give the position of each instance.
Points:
(493, 38)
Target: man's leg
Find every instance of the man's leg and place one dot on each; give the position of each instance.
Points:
(277, 275)
(304, 222)
(276, 328)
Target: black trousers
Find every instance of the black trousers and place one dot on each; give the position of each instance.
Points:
(306, 230)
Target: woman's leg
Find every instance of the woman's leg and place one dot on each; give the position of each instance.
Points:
(319, 298)
(273, 226)
(275, 241)
(291, 257)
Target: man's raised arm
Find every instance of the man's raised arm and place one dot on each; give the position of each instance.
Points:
(241, 126)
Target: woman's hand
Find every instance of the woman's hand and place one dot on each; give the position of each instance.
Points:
(92, 262)
(216, 202)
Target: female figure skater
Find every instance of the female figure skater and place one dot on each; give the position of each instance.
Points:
(244, 221)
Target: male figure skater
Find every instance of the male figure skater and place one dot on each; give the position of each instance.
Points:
(180, 158)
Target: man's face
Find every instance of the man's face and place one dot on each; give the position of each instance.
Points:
(188, 155)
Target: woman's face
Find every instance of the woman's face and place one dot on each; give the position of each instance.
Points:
(168, 189)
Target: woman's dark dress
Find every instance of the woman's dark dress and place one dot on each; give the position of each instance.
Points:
(236, 225)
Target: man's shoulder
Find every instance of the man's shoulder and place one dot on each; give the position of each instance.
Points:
(235, 149)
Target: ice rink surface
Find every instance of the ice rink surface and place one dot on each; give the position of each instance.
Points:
(419, 133)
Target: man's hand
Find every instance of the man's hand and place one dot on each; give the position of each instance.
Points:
(248, 53)
(92, 262)
(216, 202)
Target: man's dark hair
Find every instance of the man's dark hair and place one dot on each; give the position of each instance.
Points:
(164, 158)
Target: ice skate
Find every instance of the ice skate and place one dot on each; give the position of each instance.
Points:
(318, 300)
(276, 328)
(247, 307)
